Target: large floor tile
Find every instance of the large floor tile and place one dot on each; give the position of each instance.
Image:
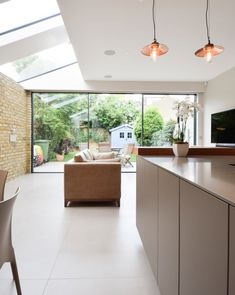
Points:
(106, 248)
(76, 250)
(135, 286)
(28, 287)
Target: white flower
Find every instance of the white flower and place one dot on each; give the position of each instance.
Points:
(184, 109)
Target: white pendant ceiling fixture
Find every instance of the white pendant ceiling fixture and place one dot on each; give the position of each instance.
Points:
(154, 49)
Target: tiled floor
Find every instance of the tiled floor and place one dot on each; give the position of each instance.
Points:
(77, 250)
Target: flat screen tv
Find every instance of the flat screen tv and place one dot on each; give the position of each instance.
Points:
(223, 128)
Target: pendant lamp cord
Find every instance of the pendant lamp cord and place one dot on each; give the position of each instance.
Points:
(207, 26)
(154, 24)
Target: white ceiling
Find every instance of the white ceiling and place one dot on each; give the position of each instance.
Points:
(126, 26)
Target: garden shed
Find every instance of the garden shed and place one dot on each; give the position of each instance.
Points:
(122, 135)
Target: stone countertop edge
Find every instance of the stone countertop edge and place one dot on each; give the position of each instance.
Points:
(212, 174)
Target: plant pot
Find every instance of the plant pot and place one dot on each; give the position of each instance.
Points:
(180, 149)
(59, 157)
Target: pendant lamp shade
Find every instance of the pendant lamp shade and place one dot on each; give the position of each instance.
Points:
(150, 49)
(210, 49)
(155, 48)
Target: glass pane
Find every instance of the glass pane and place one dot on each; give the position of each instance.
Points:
(31, 30)
(16, 13)
(39, 63)
(65, 123)
(112, 118)
(160, 119)
(60, 129)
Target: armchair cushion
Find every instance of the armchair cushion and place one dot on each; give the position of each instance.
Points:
(105, 155)
(80, 157)
(88, 156)
(108, 160)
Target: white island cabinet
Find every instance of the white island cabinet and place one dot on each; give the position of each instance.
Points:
(203, 242)
(185, 215)
(232, 252)
(168, 232)
(146, 209)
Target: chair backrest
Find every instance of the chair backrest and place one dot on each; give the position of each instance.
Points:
(3, 177)
(128, 149)
(6, 209)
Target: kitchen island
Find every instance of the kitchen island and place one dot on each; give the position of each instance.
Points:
(186, 220)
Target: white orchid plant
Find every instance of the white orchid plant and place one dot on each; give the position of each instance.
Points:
(184, 109)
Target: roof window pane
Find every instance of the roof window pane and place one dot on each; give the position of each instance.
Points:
(28, 31)
(40, 63)
(15, 13)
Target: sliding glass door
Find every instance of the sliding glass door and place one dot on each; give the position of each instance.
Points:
(112, 119)
(65, 123)
(60, 127)
(159, 119)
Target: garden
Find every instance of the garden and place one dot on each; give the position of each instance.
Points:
(69, 121)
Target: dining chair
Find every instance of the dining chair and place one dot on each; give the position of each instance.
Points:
(3, 177)
(7, 253)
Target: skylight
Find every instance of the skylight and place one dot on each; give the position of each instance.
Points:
(34, 17)
(40, 63)
(15, 13)
(28, 31)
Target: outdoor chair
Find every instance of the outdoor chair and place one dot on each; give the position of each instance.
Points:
(7, 253)
(3, 177)
(126, 154)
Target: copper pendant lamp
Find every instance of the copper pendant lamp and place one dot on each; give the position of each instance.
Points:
(155, 48)
(210, 49)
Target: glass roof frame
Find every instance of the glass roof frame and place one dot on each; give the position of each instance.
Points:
(29, 24)
(15, 14)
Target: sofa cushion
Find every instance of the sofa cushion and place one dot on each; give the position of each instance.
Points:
(80, 157)
(108, 160)
(107, 155)
(88, 154)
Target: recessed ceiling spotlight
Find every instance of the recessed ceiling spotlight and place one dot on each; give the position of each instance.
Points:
(108, 76)
(109, 52)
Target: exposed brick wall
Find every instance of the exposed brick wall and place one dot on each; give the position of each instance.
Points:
(15, 119)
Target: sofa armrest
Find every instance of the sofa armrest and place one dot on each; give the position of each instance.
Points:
(86, 181)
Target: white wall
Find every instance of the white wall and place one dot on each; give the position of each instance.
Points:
(70, 79)
(219, 96)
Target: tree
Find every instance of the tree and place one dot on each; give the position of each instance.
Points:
(165, 135)
(153, 122)
(48, 124)
(113, 111)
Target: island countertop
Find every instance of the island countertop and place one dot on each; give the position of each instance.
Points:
(213, 174)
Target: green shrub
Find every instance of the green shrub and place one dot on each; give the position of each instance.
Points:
(165, 135)
(153, 122)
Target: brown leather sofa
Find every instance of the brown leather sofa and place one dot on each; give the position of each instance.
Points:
(92, 181)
